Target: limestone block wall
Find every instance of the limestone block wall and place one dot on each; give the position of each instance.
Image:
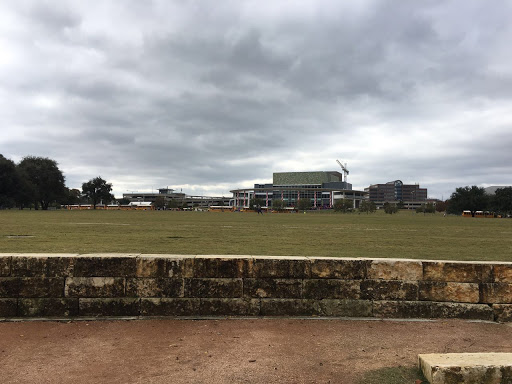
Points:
(91, 285)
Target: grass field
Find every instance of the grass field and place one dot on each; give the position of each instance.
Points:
(404, 235)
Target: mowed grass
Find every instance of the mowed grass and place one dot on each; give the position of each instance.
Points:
(404, 235)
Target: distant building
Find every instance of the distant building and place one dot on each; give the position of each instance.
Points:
(492, 189)
(321, 188)
(179, 198)
(411, 195)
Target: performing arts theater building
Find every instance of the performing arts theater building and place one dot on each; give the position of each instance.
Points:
(322, 188)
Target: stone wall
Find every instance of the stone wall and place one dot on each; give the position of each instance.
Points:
(89, 285)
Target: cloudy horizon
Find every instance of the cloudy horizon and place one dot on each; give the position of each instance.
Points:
(210, 97)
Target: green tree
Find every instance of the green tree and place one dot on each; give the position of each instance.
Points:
(255, 201)
(400, 205)
(367, 206)
(45, 178)
(441, 206)
(501, 202)
(304, 204)
(97, 190)
(277, 204)
(426, 208)
(468, 198)
(343, 205)
(390, 208)
(26, 191)
(123, 201)
(9, 183)
(159, 202)
(173, 203)
(73, 196)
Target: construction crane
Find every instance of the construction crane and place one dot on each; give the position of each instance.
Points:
(344, 168)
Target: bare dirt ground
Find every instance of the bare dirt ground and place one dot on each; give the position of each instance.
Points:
(229, 350)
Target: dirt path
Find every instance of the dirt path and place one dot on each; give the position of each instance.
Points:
(229, 351)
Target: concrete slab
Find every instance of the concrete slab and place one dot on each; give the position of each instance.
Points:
(467, 368)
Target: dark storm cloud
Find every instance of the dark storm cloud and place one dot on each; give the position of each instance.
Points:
(210, 98)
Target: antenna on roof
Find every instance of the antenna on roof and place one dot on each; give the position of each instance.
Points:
(344, 168)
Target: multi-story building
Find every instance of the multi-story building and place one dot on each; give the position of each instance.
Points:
(394, 192)
(321, 188)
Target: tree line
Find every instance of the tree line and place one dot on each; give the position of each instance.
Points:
(464, 198)
(476, 199)
(37, 182)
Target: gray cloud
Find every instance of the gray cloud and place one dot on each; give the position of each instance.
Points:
(159, 93)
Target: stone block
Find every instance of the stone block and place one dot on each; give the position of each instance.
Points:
(159, 287)
(336, 268)
(319, 289)
(402, 309)
(173, 266)
(449, 291)
(108, 265)
(276, 288)
(9, 286)
(279, 267)
(502, 312)
(229, 307)
(152, 266)
(8, 307)
(5, 265)
(169, 307)
(393, 269)
(500, 293)
(60, 266)
(48, 307)
(42, 265)
(389, 290)
(94, 287)
(458, 272)
(461, 311)
(429, 309)
(220, 267)
(344, 308)
(180, 266)
(503, 273)
(29, 266)
(41, 287)
(209, 288)
(467, 368)
(288, 307)
(109, 307)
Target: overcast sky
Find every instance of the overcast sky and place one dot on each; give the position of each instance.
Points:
(211, 96)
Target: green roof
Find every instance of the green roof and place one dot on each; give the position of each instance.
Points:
(306, 178)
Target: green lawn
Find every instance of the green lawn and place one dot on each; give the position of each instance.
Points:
(404, 235)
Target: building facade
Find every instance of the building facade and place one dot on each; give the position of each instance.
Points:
(321, 188)
(179, 199)
(393, 192)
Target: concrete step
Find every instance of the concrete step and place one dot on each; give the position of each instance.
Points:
(467, 368)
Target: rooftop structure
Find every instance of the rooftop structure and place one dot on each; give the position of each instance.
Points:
(315, 179)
